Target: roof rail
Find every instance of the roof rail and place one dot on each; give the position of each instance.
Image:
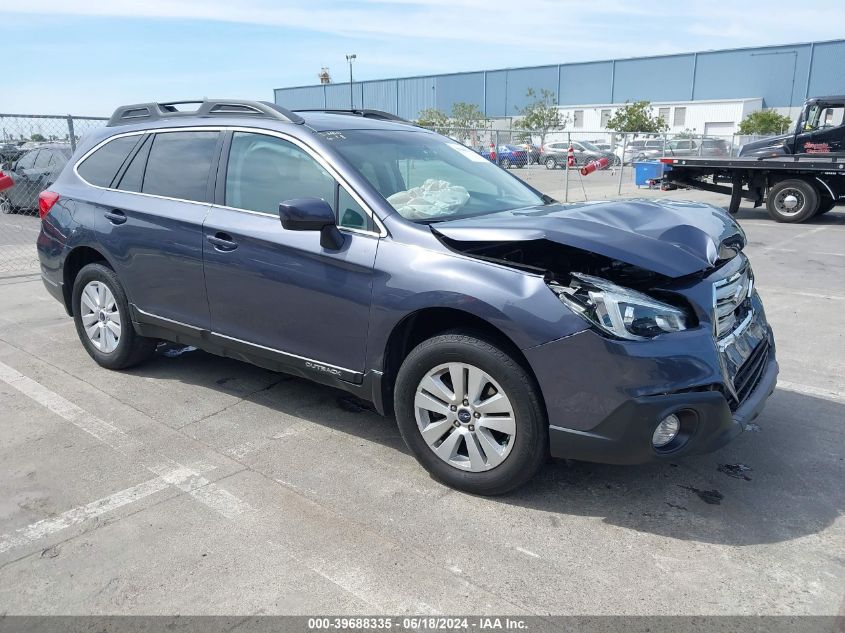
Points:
(136, 113)
(362, 112)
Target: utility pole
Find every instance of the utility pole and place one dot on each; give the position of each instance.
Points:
(350, 59)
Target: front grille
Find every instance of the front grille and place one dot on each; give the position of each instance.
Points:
(731, 299)
(749, 374)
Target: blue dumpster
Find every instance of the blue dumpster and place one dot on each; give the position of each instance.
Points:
(648, 170)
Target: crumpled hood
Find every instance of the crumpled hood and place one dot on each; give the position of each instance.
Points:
(668, 237)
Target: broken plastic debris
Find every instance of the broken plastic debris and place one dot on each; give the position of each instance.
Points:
(431, 199)
(735, 470)
(173, 352)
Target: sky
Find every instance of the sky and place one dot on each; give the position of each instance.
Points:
(87, 57)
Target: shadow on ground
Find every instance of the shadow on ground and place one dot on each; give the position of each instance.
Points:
(780, 481)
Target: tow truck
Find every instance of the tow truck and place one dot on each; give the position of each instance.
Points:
(797, 175)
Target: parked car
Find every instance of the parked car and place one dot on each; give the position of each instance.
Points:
(682, 147)
(508, 156)
(643, 149)
(555, 154)
(362, 252)
(533, 152)
(33, 172)
(9, 153)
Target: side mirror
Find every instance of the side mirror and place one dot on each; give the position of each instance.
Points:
(312, 214)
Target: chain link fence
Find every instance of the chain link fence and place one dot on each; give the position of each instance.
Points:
(33, 151)
(530, 153)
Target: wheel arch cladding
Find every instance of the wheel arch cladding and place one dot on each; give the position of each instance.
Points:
(75, 261)
(426, 323)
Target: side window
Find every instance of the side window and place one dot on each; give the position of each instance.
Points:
(27, 160)
(43, 159)
(264, 171)
(100, 167)
(350, 214)
(179, 164)
(133, 177)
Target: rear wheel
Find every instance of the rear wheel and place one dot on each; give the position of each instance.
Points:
(470, 414)
(551, 163)
(101, 315)
(505, 163)
(792, 201)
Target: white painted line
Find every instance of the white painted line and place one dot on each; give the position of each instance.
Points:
(803, 252)
(107, 433)
(45, 527)
(802, 293)
(527, 552)
(185, 479)
(809, 390)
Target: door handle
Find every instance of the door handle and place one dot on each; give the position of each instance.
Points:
(116, 217)
(222, 242)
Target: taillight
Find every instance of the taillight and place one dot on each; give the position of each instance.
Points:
(46, 200)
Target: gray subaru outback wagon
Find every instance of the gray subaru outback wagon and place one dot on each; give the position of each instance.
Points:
(358, 250)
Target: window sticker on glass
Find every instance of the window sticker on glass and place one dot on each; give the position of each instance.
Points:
(466, 151)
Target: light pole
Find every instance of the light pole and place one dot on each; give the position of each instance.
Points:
(350, 59)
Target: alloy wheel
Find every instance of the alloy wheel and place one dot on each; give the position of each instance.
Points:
(100, 316)
(465, 417)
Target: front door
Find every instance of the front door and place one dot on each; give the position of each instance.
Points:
(280, 290)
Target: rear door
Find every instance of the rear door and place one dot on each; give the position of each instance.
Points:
(277, 291)
(150, 221)
(25, 181)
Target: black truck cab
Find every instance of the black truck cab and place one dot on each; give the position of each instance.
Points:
(819, 130)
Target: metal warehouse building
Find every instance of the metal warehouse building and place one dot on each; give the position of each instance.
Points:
(709, 91)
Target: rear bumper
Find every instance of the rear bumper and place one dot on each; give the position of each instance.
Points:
(624, 437)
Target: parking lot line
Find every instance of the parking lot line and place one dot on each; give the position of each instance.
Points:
(186, 479)
(809, 390)
(75, 516)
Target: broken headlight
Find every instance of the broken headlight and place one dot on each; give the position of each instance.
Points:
(619, 311)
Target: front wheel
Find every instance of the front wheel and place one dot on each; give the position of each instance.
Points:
(101, 315)
(471, 414)
(551, 163)
(505, 163)
(792, 201)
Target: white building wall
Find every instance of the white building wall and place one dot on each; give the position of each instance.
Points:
(722, 115)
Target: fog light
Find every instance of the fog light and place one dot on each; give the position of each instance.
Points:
(666, 431)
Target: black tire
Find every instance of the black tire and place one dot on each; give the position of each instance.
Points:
(131, 349)
(505, 163)
(551, 163)
(825, 204)
(6, 207)
(531, 439)
(807, 201)
(736, 196)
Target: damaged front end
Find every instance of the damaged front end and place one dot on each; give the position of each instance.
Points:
(617, 265)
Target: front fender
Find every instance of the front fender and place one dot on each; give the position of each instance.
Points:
(412, 278)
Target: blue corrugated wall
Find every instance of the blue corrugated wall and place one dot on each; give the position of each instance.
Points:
(781, 75)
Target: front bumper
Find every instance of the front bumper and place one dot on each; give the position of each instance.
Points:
(624, 437)
(604, 398)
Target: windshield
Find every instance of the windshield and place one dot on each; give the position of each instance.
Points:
(427, 177)
(589, 146)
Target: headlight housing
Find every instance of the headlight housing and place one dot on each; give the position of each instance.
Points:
(619, 311)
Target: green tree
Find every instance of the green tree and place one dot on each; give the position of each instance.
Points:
(764, 122)
(434, 119)
(541, 115)
(636, 117)
(467, 115)
(37, 138)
